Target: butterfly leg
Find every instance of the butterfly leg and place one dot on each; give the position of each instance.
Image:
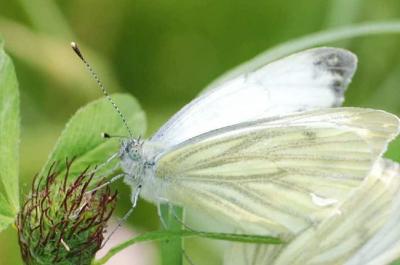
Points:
(134, 199)
(187, 257)
(162, 201)
(99, 167)
(179, 220)
(113, 179)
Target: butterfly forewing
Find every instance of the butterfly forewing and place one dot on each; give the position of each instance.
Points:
(308, 80)
(277, 175)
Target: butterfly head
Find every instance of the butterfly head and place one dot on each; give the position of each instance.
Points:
(132, 149)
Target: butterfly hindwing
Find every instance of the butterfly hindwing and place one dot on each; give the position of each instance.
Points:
(364, 230)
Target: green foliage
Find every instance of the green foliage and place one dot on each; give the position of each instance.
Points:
(9, 141)
(81, 138)
(165, 53)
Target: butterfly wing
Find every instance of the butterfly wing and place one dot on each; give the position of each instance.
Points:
(365, 232)
(384, 246)
(311, 79)
(280, 175)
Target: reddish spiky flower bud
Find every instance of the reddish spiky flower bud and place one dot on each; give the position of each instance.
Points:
(60, 222)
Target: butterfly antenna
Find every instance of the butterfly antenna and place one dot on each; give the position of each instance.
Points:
(102, 87)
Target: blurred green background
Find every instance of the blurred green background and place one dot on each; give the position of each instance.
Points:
(164, 53)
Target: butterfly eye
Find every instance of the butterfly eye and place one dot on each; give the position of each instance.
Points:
(134, 153)
(126, 149)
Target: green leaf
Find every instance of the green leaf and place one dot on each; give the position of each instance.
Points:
(7, 214)
(171, 235)
(9, 140)
(81, 138)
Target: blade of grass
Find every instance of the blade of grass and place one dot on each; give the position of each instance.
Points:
(308, 41)
(169, 235)
(341, 13)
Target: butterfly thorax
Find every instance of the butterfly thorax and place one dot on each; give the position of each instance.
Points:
(137, 162)
(132, 158)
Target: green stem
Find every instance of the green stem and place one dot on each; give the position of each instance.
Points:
(308, 41)
(171, 248)
(341, 13)
(171, 236)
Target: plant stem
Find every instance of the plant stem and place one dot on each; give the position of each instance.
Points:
(172, 236)
(308, 41)
(171, 248)
(341, 13)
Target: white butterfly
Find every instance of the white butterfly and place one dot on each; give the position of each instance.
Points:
(259, 150)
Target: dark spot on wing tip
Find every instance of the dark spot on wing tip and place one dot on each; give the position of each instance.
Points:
(338, 86)
(337, 61)
(340, 64)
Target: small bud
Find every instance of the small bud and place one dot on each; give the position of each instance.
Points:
(60, 223)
